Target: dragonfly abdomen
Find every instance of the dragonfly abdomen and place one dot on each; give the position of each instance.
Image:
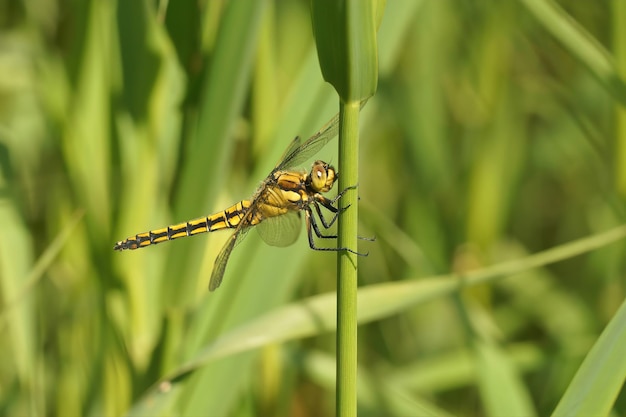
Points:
(227, 219)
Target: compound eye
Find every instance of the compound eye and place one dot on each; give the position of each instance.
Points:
(318, 176)
(322, 177)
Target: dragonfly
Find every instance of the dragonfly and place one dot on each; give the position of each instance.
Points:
(274, 209)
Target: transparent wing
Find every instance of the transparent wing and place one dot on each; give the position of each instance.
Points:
(222, 259)
(299, 150)
(219, 267)
(281, 230)
(276, 231)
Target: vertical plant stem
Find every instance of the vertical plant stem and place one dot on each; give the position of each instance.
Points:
(347, 262)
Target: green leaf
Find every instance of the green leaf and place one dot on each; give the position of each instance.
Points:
(345, 35)
(601, 376)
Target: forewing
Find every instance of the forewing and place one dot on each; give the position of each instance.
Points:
(281, 230)
(299, 151)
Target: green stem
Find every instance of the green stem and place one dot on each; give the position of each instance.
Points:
(347, 262)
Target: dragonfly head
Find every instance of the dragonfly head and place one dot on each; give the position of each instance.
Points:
(322, 177)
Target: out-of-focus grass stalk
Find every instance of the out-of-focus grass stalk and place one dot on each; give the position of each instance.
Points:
(619, 50)
(580, 44)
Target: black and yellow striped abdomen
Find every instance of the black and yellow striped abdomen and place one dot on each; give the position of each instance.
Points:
(227, 219)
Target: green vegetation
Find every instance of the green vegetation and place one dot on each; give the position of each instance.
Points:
(492, 173)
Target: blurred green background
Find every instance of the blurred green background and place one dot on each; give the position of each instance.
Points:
(496, 132)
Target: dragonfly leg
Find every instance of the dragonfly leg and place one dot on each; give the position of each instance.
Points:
(313, 223)
(328, 224)
(329, 205)
(338, 196)
(311, 226)
(325, 223)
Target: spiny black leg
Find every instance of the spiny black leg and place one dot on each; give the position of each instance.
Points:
(310, 221)
(338, 196)
(336, 211)
(316, 229)
(330, 204)
(326, 224)
(318, 198)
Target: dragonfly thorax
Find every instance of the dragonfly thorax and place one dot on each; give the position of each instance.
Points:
(322, 177)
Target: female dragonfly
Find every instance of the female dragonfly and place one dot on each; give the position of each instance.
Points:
(274, 208)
